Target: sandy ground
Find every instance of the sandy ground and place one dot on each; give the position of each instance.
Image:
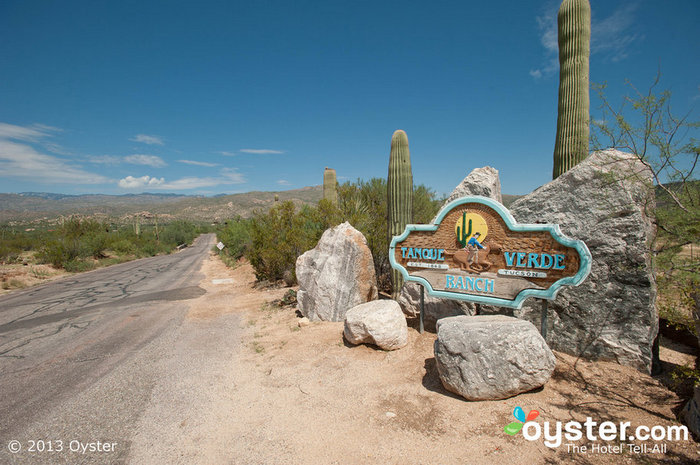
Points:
(18, 276)
(300, 395)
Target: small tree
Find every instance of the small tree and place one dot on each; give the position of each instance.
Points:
(667, 145)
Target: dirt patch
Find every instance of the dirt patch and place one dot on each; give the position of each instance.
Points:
(304, 396)
(13, 277)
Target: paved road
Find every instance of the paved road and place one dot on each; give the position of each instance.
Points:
(77, 356)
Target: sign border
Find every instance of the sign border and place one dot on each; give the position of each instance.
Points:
(549, 293)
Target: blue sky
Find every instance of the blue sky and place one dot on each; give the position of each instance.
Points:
(224, 97)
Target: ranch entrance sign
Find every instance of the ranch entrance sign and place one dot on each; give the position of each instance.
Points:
(476, 251)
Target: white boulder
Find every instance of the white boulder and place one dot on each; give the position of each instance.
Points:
(380, 322)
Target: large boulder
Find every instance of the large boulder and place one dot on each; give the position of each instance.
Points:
(380, 322)
(336, 275)
(604, 202)
(491, 357)
(435, 308)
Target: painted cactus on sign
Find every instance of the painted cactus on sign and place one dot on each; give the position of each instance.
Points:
(463, 236)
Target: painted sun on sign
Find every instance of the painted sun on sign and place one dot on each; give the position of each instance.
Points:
(476, 251)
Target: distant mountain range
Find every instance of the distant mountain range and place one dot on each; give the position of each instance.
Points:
(37, 206)
(44, 206)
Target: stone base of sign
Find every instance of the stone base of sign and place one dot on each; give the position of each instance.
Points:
(435, 308)
(491, 357)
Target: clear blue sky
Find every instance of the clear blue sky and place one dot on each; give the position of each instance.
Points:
(223, 97)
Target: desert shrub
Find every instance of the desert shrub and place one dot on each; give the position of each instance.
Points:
(95, 244)
(123, 247)
(56, 253)
(282, 234)
(279, 236)
(235, 235)
(150, 248)
(178, 232)
(77, 265)
(9, 254)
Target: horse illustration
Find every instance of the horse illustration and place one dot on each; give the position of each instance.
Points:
(481, 262)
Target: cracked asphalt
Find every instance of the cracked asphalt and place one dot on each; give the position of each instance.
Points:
(78, 356)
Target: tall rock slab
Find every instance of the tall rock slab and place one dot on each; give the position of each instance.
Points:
(336, 275)
(604, 201)
(481, 181)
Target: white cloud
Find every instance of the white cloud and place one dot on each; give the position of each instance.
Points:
(27, 134)
(284, 182)
(146, 139)
(232, 176)
(227, 154)
(104, 159)
(199, 163)
(261, 151)
(148, 160)
(131, 182)
(547, 24)
(19, 159)
(227, 176)
(610, 37)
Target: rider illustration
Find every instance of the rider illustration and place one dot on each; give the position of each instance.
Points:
(473, 247)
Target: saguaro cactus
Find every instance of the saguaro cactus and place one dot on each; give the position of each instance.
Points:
(571, 146)
(329, 186)
(399, 195)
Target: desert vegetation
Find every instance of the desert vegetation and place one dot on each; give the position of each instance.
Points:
(82, 243)
(272, 240)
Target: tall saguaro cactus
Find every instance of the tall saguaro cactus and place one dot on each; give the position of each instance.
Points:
(574, 27)
(399, 195)
(329, 186)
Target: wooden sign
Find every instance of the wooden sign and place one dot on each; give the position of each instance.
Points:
(476, 251)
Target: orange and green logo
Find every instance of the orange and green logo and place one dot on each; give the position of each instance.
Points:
(519, 414)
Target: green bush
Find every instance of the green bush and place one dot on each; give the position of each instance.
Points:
(78, 266)
(178, 232)
(235, 235)
(123, 247)
(56, 253)
(279, 236)
(282, 234)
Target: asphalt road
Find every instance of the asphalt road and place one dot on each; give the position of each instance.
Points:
(79, 356)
